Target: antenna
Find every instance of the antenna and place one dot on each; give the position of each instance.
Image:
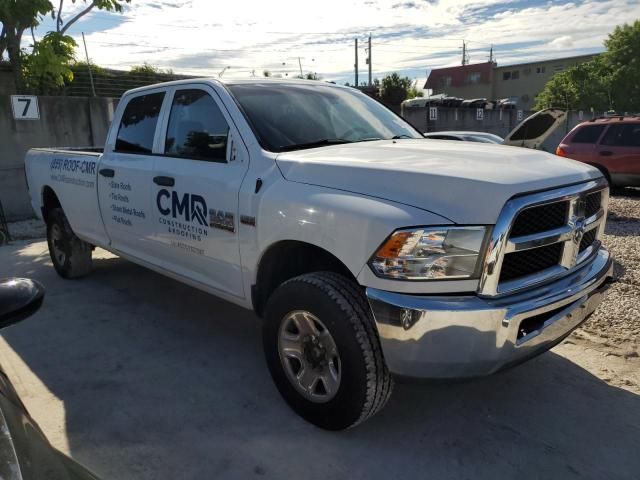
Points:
(369, 60)
(355, 66)
(465, 55)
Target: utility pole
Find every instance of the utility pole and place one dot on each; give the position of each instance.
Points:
(369, 61)
(300, 64)
(86, 53)
(464, 52)
(491, 54)
(355, 65)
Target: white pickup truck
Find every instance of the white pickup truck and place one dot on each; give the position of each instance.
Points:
(367, 250)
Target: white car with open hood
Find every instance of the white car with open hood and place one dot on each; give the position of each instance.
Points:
(532, 132)
(368, 251)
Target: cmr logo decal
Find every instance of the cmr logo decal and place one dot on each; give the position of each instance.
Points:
(191, 207)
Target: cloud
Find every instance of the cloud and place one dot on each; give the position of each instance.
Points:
(405, 5)
(201, 37)
(565, 41)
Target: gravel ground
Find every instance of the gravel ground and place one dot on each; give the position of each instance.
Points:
(615, 326)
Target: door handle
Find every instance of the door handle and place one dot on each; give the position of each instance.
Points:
(107, 172)
(164, 181)
(606, 153)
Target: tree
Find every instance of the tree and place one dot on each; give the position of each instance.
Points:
(394, 89)
(48, 67)
(310, 76)
(609, 81)
(149, 70)
(623, 58)
(108, 5)
(581, 87)
(414, 92)
(17, 16)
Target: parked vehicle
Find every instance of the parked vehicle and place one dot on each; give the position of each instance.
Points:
(535, 129)
(26, 453)
(480, 137)
(532, 132)
(367, 250)
(611, 144)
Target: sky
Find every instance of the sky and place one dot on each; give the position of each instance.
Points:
(244, 37)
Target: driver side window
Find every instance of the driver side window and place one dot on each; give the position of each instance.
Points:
(197, 129)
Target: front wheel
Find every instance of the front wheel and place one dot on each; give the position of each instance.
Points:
(71, 256)
(323, 351)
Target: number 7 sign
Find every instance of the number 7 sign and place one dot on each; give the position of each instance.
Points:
(25, 107)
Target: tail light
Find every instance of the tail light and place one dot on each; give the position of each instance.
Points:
(561, 152)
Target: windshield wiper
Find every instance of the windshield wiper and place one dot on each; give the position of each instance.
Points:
(398, 137)
(316, 143)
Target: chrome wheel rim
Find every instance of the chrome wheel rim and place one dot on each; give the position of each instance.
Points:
(309, 356)
(57, 244)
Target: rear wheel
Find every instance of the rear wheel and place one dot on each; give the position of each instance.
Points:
(323, 351)
(71, 257)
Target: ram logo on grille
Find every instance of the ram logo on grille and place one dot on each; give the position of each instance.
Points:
(578, 233)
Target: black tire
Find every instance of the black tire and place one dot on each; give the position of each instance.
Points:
(76, 260)
(340, 304)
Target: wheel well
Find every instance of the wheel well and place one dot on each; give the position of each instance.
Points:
(288, 259)
(49, 202)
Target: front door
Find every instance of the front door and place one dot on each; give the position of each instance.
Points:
(195, 190)
(125, 177)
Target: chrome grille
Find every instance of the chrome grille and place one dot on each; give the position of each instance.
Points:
(540, 219)
(594, 201)
(520, 264)
(587, 240)
(543, 236)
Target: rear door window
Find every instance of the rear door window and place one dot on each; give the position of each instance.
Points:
(138, 124)
(624, 135)
(588, 134)
(197, 129)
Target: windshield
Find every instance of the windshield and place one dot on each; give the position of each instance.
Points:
(293, 116)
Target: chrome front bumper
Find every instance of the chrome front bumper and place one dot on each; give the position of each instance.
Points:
(467, 336)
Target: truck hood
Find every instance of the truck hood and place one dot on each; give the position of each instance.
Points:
(464, 182)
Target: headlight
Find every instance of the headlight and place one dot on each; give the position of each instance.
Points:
(430, 253)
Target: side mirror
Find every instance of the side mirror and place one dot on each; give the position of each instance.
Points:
(19, 298)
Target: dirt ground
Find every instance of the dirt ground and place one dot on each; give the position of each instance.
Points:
(138, 376)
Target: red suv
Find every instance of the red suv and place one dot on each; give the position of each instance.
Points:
(612, 144)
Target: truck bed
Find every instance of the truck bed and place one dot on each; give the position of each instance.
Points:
(74, 150)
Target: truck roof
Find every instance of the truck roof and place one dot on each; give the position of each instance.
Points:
(245, 81)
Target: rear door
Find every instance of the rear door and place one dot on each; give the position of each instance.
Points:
(195, 194)
(619, 152)
(534, 130)
(125, 175)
